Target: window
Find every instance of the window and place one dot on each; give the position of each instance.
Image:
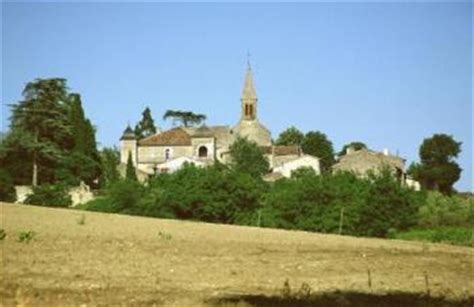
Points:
(167, 154)
(250, 110)
(202, 152)
(246, 110)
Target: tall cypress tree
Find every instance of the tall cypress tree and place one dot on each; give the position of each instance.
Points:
(83, 162)
(146, 126)
(130, 173)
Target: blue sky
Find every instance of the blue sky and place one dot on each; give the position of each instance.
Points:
(387, 74)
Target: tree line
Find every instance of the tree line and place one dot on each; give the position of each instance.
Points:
(51, 144)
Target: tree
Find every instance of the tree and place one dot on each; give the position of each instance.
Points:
(110, 160)
(355, 145)
(388, 206)
(247, 157)
(211, 194)
(437, 169)
(291, 136)
(50, 139)
(187, 118)
(130, 173)
(317, 144)
(146, 126)
(7, 189)
(39, 126)
(83, 161)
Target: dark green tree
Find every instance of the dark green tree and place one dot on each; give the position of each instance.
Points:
(50, 139)
(437, 169)
(355, 145)
(146, 126)
(388, 206)
(248, 158)
(130, 173)
(7, 188)
(291, 136)
(317, 144)
(110, 160)
(51, 195)
(83, 162)
(40, 128)
(212, 194)
(186, 118)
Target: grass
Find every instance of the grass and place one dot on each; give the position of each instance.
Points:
(452, 235)
(26, 236)
(81, 220)
(164, 235)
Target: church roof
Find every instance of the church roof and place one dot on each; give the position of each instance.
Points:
(203, 131)
(249, 92)
(172, 137)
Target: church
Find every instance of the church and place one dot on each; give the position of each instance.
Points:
(167, 151)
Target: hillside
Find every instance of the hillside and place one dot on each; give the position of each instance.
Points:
(83, 257)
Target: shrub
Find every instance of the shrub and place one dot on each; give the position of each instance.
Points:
(451, 235)
(440, 210)
(7, 188)
(124, 195)
(314, 203)
(100, 204)
(26, 236)
(121, 196)
(388, 205)
(212, 194)
(371, 206)
(3, 234)
(50, 195)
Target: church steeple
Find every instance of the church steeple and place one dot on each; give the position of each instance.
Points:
(249, 96)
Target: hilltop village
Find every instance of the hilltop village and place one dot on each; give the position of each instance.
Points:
(167, 151)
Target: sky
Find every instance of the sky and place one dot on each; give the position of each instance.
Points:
(387, 74)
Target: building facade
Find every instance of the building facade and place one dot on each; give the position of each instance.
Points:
(168, 150)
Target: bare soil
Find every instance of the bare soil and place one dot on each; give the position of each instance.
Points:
(86, 258)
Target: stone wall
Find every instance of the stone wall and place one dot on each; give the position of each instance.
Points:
(156, 154)
(79, 195)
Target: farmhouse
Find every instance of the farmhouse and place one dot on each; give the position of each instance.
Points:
(167, 151)
(363, 161)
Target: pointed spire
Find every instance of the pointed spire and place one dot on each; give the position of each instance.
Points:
(249, 92)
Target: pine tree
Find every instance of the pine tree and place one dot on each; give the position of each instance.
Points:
(39, 131)
(146, 126)
(130, 173)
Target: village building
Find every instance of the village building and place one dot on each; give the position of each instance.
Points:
(167, 151)
(363, 161)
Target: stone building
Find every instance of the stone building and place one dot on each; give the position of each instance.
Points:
(363, 161)
(166, 151)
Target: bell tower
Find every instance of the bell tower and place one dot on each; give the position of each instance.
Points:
(249, 97)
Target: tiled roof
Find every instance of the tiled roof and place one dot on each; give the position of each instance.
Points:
(173, 137)
(280, 150)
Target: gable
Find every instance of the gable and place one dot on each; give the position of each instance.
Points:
(172, 137)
